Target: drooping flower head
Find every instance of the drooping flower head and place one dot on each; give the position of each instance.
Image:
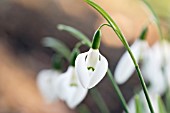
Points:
(125, 66)
(64, 86)
(69, 89)
(91, 66)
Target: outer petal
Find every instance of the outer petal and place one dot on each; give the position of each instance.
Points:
(44, 83)
(62, 84)
(81, 70)
(152, 69)
(165, 48)
(99, 72)
(125, 67)
(158, 84)
(79, 95)
(72, 95)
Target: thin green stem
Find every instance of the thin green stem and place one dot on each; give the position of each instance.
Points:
(126, 45)
(144, 89)
(157, 21)
(119, 94)
(99, 100)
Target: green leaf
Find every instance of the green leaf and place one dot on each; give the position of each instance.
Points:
(76, 33)
(57, 61)
(57, 46)
(161, 106)
(138, 104)
(167, 100)
(143, 33)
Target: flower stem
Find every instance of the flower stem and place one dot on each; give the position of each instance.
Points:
(99, 100)
(144, 89)
(126, 45)
(115, 86)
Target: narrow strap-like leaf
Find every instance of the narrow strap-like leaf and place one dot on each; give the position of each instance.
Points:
(58, 46)
(138, 104)
(76, 33)
(161, 106)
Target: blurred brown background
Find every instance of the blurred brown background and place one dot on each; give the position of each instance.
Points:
(23, 24)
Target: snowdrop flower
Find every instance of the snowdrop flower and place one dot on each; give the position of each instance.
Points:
(125, 66)
(91, 66)
(166, 60)
(45, 81)
(69, 89)
(152, 69)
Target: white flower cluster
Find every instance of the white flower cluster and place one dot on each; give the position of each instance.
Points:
(155, 63)
(72, 86)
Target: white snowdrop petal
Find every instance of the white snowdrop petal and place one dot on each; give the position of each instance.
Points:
(125, 66)
(62, 84)
(81, 70)
(72, 95)
(131, 106)
(157, 82)
(44, 83)
(165, 48)
(99, 72)
(79, 96)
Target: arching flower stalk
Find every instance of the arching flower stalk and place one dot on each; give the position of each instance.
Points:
(91, 66)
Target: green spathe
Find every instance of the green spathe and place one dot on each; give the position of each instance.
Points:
(96, 39)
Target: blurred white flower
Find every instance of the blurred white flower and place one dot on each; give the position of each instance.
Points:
(54, 85)
(69, 89)
(154, 66)
(151, 68)
(125, 66)
(45, 81)
(154, 101)
(91, 67)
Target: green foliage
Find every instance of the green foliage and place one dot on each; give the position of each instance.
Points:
(57, 46)
(138, 104)
(76, 33)
(161, 106)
